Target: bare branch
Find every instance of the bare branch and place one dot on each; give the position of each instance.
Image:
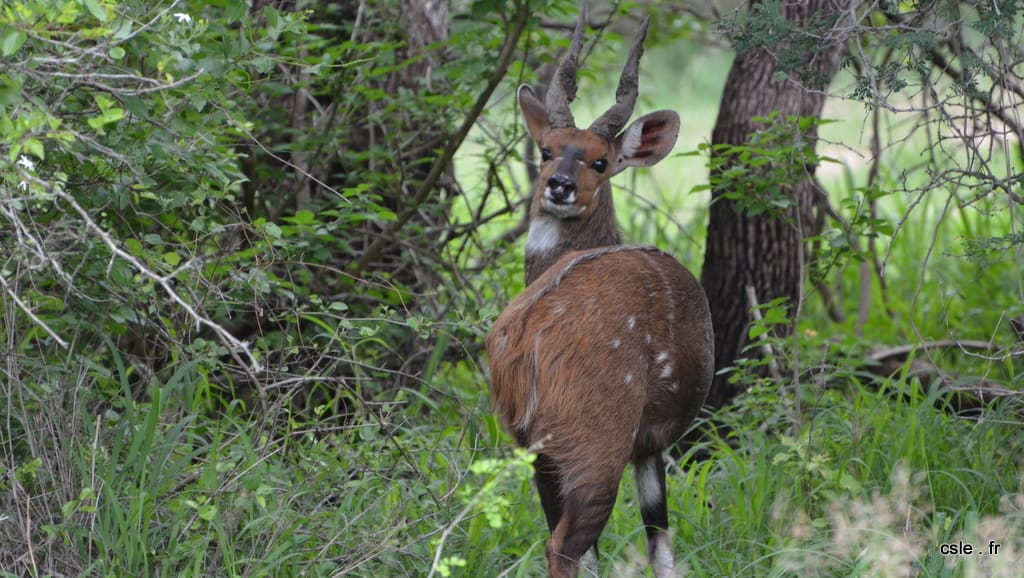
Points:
(28, 311)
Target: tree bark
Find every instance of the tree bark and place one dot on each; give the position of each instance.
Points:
(762, 251)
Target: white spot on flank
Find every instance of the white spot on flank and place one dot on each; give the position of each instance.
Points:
(667, 370)
(616, 343)
(661, 356)
(631, 323)
(543, 235)
(629, 378)
(647, 338)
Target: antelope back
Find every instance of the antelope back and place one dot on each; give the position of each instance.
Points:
(606, 356)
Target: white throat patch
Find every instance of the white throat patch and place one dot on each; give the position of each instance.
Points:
(543, 235)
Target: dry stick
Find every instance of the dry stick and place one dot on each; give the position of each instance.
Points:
(984, 391)
(28, 533)
(427, 186)
(766, 348)
(798, 404)
(92, 482)
(924, 268)
(1005, 117)
(308, 176)
(883, 354)
(21, 305)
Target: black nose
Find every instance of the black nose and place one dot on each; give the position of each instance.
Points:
(560, 187)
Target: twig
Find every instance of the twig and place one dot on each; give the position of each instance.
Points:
(28, 533)
(92, 482)
(766, 348)
(21, 305)
(883, 354)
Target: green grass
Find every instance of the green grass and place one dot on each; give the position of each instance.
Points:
(871, 487)
(874, 482)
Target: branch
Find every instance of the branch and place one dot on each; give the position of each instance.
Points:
(766, 347)
(234, 344)
(21, 305)
(883, 354)
(427, 186)
(942, 64)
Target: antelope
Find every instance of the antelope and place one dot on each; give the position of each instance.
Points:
(607, 356)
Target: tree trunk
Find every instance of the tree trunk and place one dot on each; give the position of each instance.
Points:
(762, 251)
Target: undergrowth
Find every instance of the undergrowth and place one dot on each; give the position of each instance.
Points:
(874, 483)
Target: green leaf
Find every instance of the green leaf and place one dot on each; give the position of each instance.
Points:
(272, 230)
(304, 217)
(124, 29)
(11, 41)
(171, 258)
(235, 10)
(272, 16)
(113, 115)
(69, 508)
(96, 10)
(208, 512)
(117, 53)
(34, 147)
(133, 245)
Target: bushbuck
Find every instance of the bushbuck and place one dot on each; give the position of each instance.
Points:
(607, 355)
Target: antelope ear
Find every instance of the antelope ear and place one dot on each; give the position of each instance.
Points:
(534, 113)
(648, 140)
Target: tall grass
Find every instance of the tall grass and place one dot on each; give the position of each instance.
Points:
(874, 483)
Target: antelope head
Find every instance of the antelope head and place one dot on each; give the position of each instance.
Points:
(572, 206)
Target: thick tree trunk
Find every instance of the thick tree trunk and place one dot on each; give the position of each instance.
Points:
(761, 251)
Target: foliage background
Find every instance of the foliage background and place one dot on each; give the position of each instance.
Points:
(247, 262)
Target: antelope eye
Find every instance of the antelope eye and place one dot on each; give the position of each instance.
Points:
(599, 165)
(545, 154)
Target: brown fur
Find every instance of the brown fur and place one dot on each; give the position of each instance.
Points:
(555, 342)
